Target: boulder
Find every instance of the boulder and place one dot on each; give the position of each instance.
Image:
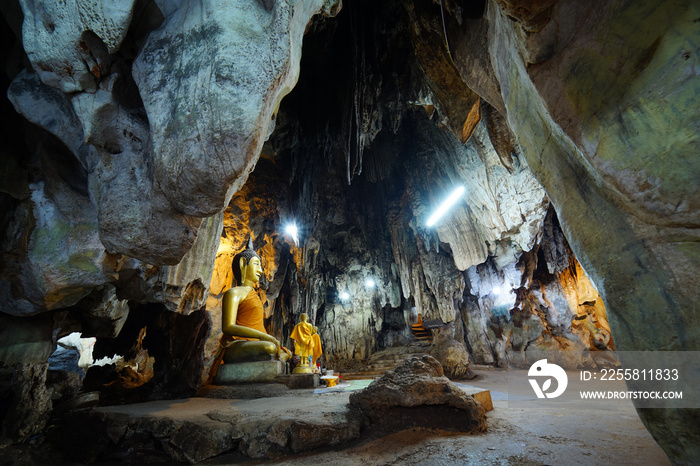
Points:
(417, 394)
(451, 354)
(30, 405)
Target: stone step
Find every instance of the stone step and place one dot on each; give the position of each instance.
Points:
(382, 362)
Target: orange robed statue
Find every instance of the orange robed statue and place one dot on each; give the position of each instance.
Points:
(244, 335)
(303, 336)
(317, 351)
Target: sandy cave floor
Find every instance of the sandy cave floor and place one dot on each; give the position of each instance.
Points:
(520, 436)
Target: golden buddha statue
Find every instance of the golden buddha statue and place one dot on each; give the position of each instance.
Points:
(303, 344)
(244, 336)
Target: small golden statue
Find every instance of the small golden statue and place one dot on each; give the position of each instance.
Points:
(303, 336)
(317, 351)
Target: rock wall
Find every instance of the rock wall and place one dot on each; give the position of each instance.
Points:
(97, 190)
(115, 175)
(543, 302)
(602, 110)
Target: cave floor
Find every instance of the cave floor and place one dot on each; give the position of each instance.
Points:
(522, 435)
(517, 436)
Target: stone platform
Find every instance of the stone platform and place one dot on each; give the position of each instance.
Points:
(191, 430)
(249, 372)
(261, 421)
(272, 420)
(194, 429)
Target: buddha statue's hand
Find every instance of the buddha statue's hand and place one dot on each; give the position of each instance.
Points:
(285, 355)
(274, 340)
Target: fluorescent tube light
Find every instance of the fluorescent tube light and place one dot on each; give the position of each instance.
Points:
(444, 207)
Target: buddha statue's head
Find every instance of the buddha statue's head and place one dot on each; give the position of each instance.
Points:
(304, 317)
(247, 266)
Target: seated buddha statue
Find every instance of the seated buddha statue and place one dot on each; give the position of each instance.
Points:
(244, 336)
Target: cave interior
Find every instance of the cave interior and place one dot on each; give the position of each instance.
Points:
(145, 144)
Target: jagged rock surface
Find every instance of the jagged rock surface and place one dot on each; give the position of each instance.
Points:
(543, 302)
(30, 406)
(164, 354)
(227, 71)
(417, 394)
(69, 43)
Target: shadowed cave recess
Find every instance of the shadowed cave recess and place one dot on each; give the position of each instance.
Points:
(140, 153)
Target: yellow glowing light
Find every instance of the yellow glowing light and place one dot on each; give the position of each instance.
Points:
(444, 207)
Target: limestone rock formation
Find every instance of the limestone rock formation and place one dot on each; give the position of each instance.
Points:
(102, 313)
(343, 229)
(30, 409)
(451, 353)
(632, 224)
(543, 302)
(163, 356)
(417, 394)
(69, 43)
(227, 70)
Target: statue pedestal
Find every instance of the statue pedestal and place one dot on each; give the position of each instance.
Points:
(248, 372)
(296, 381)
(302, 369)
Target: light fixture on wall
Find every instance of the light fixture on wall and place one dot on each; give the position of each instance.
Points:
(445, 206)
(292, 231)
(369, 283)
(344, 296)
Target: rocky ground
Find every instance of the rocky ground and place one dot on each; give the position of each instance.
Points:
(514, 436)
